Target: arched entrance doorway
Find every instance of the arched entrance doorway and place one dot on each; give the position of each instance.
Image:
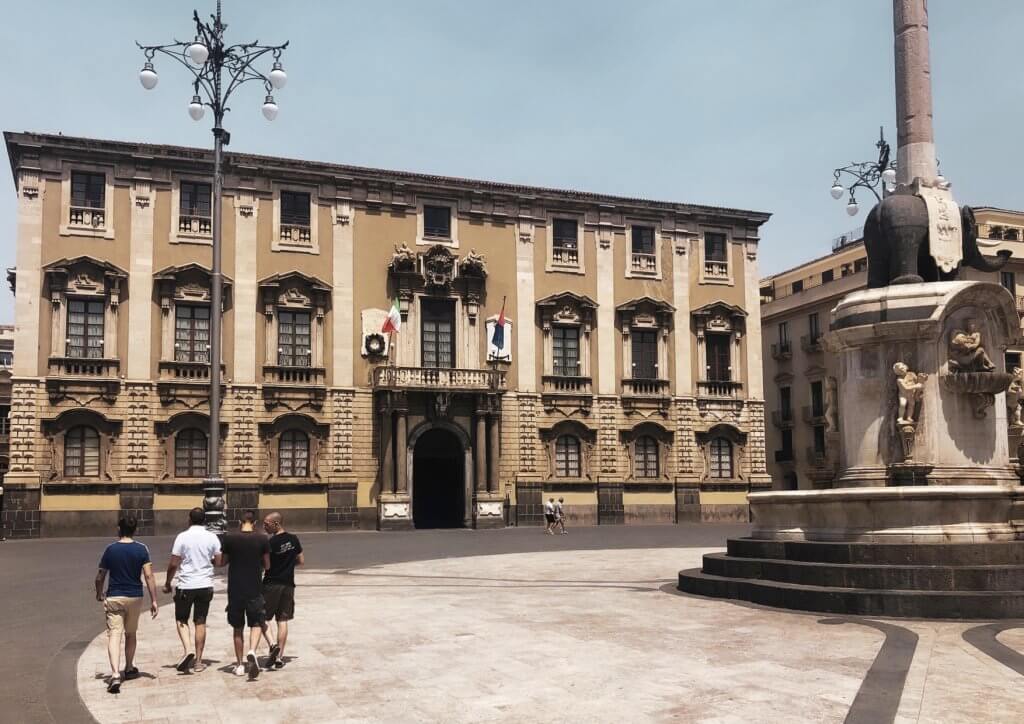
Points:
(438, 474)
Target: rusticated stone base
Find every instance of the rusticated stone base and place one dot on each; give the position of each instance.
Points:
(342, 511)
(137, 501)
(21, 512)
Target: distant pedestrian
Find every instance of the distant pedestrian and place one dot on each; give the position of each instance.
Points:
(126, 561)
(194, 554)
(247, 556)
(279, 583)
(560, 514)
(549, 516)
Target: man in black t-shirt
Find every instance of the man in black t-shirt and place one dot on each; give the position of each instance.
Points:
(279, 582)
(247, 555)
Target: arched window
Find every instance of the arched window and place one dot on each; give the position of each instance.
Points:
(82, 452)
(721, 458)
(293, 454)
(567, 456)
(645, 454)
(190, 453)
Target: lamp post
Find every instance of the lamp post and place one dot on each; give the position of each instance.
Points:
(867, 174)
(217, 70)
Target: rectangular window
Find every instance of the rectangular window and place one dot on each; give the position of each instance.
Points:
(567, 457)
(295, 216)
(819, 439)
(798, 286)
(565, 346)
(719, 360)
(85, 329)
(787, 444)
(195, 210)
(714, 247)
(783, 334)
(1009, 282)
(437, 222)
(860, 265)
(191, 333)
(785, 403)
(1012, 359)
(88, 190)
(645, 354)
(817, 400)
(438, 334)
(813, 327)
(293, 339)
(643, 257)
(565, 242)
(5, 423)
(827, 276)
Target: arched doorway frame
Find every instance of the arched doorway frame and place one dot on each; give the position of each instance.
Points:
(467, 466)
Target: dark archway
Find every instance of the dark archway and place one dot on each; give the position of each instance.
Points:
(438, 491)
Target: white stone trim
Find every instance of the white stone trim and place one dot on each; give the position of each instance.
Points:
(140, 283)
(526, 305)
(550, 265)
(630, 273)
(607, 383)
(753, 382)
(727, 280)
(342, 301)
(421, 238)
(179, 237)
(66, 229)
(287, 245)
(28, 286)
(683, 337)
(245, 302)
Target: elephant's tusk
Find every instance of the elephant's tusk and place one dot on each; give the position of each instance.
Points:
(989, 243)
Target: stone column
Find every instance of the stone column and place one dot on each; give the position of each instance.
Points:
(401, 448)
(387, 466)
(494, 446)
(915, 153)
(480, 451)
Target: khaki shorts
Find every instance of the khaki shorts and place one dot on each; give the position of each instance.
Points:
(122, 613)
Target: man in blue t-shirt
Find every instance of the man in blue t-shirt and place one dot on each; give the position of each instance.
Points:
(127, 561)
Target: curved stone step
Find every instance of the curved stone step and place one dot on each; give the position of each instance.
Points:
(857, 601)
(912, 554)
(869, 575)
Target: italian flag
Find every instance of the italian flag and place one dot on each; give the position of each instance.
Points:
(393, 322)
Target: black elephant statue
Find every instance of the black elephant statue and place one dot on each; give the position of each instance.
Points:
(896, 239)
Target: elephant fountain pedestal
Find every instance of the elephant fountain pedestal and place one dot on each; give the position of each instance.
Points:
(927, 514)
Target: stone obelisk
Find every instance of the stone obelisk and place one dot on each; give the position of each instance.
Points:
(915, 153)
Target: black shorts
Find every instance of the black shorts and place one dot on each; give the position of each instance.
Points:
(280, 601)
(242, 611)
(549, 517)
(196, 600)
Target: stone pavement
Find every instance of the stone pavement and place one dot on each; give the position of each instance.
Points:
(577, 635)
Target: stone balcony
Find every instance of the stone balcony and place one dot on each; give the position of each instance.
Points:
(180, 380)
(782, 351)
(817, 458)
(782, 419)
(72, 377)
(811, 344)
(812, 416)
(294, 387)
(567, 393)
(436, 378)
(646, 393)
(722, 389)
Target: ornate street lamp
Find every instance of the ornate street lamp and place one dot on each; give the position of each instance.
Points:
(868, 175)
(217, 70)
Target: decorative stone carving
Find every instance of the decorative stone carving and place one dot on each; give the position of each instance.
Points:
(438, 268)
(473, 264)
(1014, 398)
(831, 403)
(403, 260)
(440, 405)
(910, 388)
(965, 351)
(973, 373)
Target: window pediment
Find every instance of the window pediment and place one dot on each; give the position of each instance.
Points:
(188, 283)
(294, 289)
(719, 316)
(567, 308)
(646, 312)
(84, 276)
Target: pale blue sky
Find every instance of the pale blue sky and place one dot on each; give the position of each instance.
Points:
(745, 104)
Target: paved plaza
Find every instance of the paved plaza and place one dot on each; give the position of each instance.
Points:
(578, 635)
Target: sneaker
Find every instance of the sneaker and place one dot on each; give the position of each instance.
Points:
(186, 663)
(275, 651)
(253, 665)
(239, 669)
(114, 685)
(198, 668)
(132, 672)
(279, 664)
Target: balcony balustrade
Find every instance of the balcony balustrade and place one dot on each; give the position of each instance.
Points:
(83, 367)
(195, 225)
(719, 388)
(561, 384)
(185, 371)
(277, 374)
(716, 270)
(87, 216)
(432, 378)
(644, 263)
(296, 234)
(567, 255)
(645, 388)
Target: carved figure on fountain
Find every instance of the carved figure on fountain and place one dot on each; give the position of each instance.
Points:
(1014, 398)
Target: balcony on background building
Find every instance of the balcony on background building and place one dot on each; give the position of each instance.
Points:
(294, 387)
(716, 270)
(87, 216)
(812, 416)
(567, 392)
(726, 389)
(782, 351)
(195, 225)
(848, 239)
(67, 376)
(438, 378)
(296, 234)
(817, 458)
(811, 343)
(644, 263)
(782, 419)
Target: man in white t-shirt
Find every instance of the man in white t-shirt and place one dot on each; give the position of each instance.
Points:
(194, 554)
(549, 516)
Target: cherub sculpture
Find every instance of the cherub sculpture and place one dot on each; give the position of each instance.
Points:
(1014, 398)
(965, 351)
(404, 258)
(910, 386)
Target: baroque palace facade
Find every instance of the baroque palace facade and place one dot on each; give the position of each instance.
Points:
(801, 376)
(628, 379)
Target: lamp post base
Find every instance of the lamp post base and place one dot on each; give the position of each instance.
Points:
(213, 504)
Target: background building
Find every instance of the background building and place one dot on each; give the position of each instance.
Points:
(800, 376)
(6, 365)
(628, 380)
